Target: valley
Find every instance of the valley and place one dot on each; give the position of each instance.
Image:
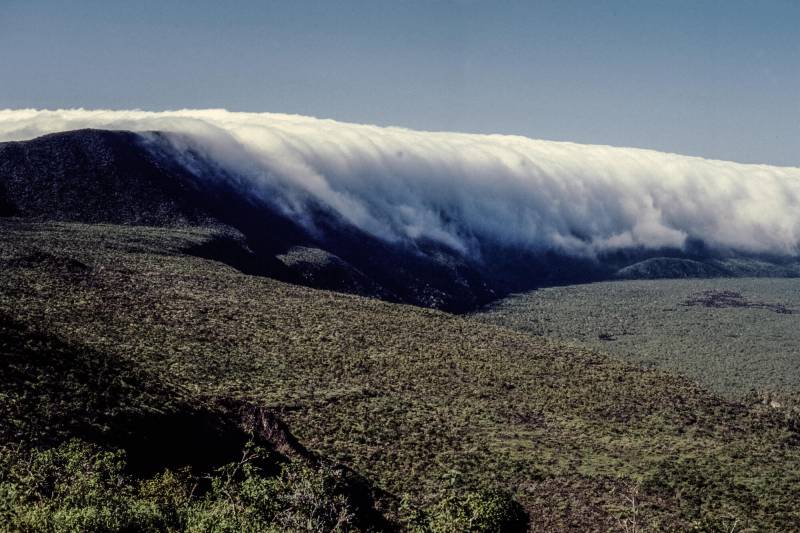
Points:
(736, 336)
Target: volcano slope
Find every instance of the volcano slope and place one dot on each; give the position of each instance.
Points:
(121, 177)
(418, 401)
(166, 179)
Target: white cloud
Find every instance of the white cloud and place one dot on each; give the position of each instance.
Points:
(459, 189)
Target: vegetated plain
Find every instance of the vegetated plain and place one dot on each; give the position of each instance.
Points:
(738, 336)
(423, 404)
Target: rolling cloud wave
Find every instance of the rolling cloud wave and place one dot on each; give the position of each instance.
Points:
(464, 189)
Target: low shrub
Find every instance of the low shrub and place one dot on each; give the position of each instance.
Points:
(80, 487)
(481, 511)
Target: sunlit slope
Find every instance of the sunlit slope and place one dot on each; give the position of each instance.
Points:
(414, 399)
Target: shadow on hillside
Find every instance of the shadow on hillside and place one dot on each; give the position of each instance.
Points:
(54, 391)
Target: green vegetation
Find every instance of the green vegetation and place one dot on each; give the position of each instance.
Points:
(79, 487)
(457, 424)
(738, 336)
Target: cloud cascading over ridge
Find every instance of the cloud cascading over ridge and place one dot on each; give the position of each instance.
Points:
(462, 189)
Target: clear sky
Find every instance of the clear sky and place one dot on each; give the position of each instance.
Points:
(717, 79)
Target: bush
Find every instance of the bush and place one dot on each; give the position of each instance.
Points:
(484, 511)
(74, 487)
(300, 498)
(80, 487)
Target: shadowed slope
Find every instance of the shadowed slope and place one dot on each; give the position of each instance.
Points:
(54, 391)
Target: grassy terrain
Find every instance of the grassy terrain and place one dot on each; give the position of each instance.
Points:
(733, 335)
(94, 443)
(422, 403)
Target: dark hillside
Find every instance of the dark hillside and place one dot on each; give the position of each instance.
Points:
(54, 391)
(94, 176)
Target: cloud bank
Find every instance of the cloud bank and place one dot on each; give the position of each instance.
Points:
(461, 190)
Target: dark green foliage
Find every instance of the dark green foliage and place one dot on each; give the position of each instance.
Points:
(487, 511)
(75, 487)
(298, 498)
(79, 487)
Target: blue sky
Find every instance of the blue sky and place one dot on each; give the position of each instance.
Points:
(717, 79)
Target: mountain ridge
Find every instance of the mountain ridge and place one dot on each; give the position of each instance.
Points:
(93, 175)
